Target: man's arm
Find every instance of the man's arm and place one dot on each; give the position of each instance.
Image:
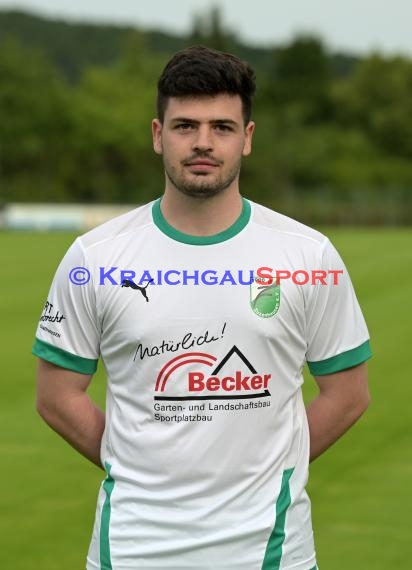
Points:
(62, 401)
(342, 399)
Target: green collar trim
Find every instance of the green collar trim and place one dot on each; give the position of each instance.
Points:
(175, 234)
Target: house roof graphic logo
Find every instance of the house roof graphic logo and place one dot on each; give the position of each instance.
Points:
(199, 383)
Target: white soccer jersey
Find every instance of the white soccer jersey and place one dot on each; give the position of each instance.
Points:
(206, 443)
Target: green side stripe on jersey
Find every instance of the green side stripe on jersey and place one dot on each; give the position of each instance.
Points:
(273, 554)
(341, 361)
(175, 234)
(64, 359)
(105, 558)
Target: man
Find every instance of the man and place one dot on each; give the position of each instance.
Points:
(205, 439)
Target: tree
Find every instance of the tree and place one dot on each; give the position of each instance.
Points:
(302, 76)
(208, 29)
(111, 157)
(33, 121)
(378, 97)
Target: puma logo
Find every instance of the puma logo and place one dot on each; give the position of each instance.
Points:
(128, 283)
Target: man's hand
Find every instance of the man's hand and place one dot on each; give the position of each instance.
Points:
(342, 399)
(62, 401)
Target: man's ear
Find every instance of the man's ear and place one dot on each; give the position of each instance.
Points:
(157, 136)
(247, 147)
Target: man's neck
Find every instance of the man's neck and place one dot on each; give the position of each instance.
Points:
(201, 217)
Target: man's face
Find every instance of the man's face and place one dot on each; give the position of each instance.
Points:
(202, 140)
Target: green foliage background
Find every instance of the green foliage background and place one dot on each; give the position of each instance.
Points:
(360, 488)
(333, 145)
(333, 142)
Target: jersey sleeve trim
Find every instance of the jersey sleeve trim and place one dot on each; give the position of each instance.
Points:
(64, 359)
(341, 361)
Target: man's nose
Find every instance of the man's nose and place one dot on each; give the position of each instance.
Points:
(203, 140)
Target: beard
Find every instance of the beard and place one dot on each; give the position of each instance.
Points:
(199, 185)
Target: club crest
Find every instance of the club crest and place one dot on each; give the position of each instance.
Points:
(264, 296)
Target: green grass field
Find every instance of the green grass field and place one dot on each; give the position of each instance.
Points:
(360, 489)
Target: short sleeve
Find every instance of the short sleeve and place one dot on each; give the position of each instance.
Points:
(68, 331)
(337, 335)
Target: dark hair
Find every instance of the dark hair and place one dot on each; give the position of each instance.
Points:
(199, 70)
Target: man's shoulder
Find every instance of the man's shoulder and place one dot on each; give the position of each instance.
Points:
(125, 224)
(285, 226)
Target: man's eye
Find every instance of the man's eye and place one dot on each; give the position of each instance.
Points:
(223, 128)
(184, 126)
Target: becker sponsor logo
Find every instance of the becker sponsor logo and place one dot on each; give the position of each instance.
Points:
(200, 376)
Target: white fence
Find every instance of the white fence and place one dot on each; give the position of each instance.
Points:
(71, 217)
